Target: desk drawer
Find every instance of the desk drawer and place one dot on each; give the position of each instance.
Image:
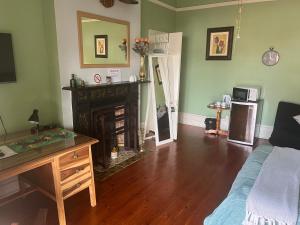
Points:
(74, 187)
(71, 174)
(79, 156)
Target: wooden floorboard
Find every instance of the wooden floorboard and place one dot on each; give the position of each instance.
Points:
(178, 183)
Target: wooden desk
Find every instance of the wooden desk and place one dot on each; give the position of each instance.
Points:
(59, 170)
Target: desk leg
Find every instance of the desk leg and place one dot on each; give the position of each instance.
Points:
(92, 185)
(58, 193)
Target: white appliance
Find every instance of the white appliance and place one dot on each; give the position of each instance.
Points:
(245, 121)
(246, 94)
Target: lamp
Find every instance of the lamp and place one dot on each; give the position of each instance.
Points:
(239, 19)
(34, 119)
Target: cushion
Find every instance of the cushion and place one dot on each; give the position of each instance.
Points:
(297, 118)
(286, 131)
(283, 138)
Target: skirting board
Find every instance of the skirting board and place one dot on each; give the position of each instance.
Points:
(198, 121)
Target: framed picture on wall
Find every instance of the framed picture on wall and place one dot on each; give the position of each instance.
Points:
(219, 43)
(101, 46)
(157, 71)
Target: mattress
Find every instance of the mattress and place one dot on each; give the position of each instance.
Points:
(232, 210)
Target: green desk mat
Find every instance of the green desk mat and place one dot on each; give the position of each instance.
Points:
(43, 139)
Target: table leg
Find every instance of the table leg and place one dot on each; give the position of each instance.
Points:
(58, 193)
(92, 185)
(218, 122)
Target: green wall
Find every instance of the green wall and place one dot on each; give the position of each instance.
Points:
(115, 35)
(156, 18)
(53, 64)
(35, 56)
(263, 25)
(170, 2)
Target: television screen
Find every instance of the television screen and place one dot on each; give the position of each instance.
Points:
(7, 63)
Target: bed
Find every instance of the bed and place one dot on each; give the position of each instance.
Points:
(232, 210)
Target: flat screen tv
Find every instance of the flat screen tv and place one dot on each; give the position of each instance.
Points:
(7, 63)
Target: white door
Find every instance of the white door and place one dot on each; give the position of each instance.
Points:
(163, 101)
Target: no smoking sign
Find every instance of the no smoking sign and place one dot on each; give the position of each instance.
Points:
(97, 78)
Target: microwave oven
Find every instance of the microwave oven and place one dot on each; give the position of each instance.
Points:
(246, 94)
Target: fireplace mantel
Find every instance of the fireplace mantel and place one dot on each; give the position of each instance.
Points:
(95, 86)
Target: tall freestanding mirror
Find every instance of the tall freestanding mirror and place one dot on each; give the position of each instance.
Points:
(160, 98)
(163, 95)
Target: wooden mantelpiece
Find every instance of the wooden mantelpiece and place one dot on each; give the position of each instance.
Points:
(94, 108)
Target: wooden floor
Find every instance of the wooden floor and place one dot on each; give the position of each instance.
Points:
(179, 183)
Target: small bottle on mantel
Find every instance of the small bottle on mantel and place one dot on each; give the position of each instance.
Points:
(114, 152)
(73, 83)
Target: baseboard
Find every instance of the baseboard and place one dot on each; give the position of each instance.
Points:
(265, 131)
(198, 121)
(192, 119)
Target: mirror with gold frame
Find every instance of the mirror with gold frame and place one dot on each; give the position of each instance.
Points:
(103, 42)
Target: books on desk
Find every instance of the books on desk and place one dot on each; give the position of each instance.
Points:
(6, 152)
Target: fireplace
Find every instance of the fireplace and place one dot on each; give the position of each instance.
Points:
(108, 113)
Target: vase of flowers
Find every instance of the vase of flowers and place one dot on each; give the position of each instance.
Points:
(142, 47)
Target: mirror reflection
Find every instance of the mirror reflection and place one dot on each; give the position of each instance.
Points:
(104, 42)
(162, 111)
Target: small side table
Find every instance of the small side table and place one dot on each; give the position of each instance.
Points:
(218, 130)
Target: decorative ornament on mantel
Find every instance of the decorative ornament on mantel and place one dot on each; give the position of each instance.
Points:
(142, 48)
(110, 3)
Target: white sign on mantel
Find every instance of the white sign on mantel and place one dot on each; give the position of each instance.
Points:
(115, 75)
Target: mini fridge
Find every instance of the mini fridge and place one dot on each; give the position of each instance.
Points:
(245, 119)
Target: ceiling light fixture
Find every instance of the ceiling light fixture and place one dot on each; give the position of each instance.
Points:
(110, 3)
(239, 19)
(129, 1)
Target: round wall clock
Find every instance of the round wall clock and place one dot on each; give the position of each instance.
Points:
(270, 57)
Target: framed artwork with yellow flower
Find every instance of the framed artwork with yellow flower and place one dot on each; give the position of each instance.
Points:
(219, 43)
(101, 46)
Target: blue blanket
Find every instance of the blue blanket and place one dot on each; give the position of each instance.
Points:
(232, 210)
